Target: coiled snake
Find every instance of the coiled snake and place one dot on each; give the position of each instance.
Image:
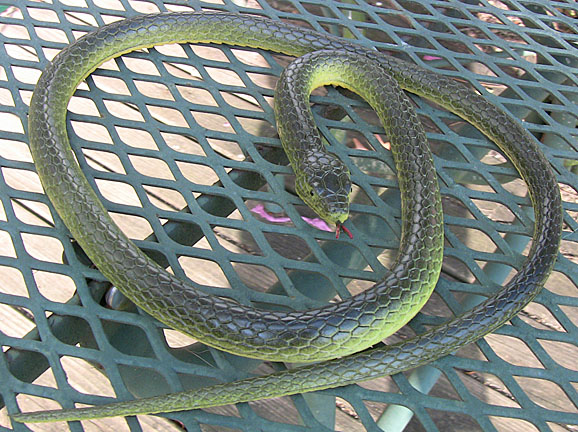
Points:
(336, 330)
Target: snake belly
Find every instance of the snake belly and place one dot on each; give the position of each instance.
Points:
(56, 166)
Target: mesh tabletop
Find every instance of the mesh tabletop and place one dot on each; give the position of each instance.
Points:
(180, 144)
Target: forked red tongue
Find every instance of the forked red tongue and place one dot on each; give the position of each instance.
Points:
(340, 227)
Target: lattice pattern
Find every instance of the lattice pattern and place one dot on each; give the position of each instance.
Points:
(180, 144)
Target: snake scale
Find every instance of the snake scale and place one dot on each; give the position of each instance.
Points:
(330, 333)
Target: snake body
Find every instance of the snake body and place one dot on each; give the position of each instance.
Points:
(319, 334)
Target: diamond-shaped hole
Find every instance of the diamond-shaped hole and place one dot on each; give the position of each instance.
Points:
(241, 175)
(473, 238)
(91, 132)
(494, 157)
(111, 85)
(256, 276)
(546, 394)
(25, 75)
(55, 287)
(225, 76)
(518, 188)
(397, 20)
(221, 206)
(470, 179)
(164, 198)
(250, 57)
(12, 281)
(196, 95)
(508, 424)
(45, 379)
(538, 316)
(140, 66)
(480, 68)
(558, 283)
(358, 196)
(458, 269)
(488, 388)
(43, 247)
(123, 110)
(82, 105)
(28, 403)
(571, 313)
(446, 420)
(263, 80)
(351, 252)
(21, 179)
(242, 101)
(374, 167)
(169, 116)
(151, 167)
(384, 384)
(512, 272)
(563, 353)
(32, 212)
(436, 307)
(237, 240)
(210, 53)
(132, 376)
(198, 173)
(176, 339)
(183, 232)
(154, 90)
(6, 245)
(227, 149)
(15, 321)
(455, 207)
(103, 161)
(86, 377)
(280, 242)
(136, 138)
(204, 271)
(15, 150)
(495, 211)
(280, 410)
(471, 351)
(143, 7)
(346, 414)
(316, 9)
(312, 284)
(215, 122)
(82, 331)
(50, 34)
(182, 71)
(135, 227)
(119, 333)
(256, 127)
(118, 192)
(379, 234)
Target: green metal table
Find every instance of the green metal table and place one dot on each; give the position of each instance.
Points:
(180, 144)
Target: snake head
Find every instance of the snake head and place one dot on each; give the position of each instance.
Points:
(325, 186)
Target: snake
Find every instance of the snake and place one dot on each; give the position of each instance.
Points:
(341, 340)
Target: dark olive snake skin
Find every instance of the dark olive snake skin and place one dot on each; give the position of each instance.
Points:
(328, 332)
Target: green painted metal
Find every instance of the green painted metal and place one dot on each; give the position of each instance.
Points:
(524, 51)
